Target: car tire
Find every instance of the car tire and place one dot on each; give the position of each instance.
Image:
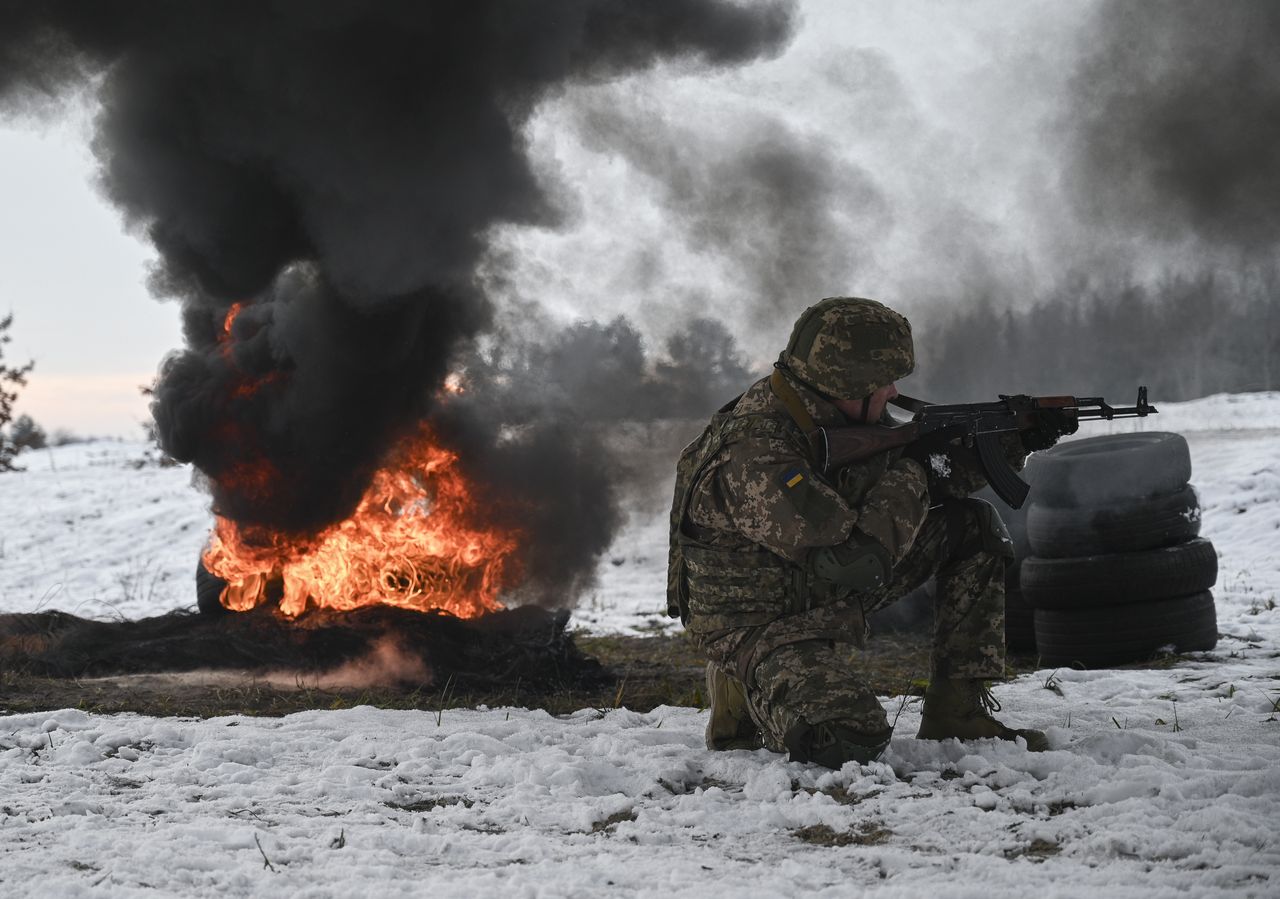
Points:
(1019, 618)
(209, 589)
(1119, 578)
(1019, 623)
(1103, 636)
(1122, 526)
(1100, 470)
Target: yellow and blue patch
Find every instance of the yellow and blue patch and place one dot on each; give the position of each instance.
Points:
(804, 497)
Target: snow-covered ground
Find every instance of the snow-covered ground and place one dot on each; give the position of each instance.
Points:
(1160, 782)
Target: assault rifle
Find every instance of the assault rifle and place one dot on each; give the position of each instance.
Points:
(978, 427)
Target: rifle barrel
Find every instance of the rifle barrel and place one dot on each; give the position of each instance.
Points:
(1109, 413)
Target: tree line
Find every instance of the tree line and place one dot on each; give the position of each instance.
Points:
(1184, 338)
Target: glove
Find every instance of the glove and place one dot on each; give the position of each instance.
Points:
(1050, 424)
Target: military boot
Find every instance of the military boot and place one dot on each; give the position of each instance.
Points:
(730, 726)
(961, 709)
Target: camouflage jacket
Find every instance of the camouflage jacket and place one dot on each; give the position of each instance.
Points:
(763, 488)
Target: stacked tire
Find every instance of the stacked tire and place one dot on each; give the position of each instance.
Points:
(1019, 618)
(1118, 571)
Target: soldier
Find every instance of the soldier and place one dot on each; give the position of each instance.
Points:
(773, 567)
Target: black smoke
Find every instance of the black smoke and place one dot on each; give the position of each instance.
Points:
(1174, 122)
(336, 167)
(781, 209)
(577, 422)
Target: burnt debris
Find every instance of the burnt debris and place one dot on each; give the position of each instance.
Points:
(528, 645)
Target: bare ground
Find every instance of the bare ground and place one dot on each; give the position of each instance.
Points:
(637, 672)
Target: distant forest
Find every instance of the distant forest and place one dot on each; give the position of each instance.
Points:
(1185, 339)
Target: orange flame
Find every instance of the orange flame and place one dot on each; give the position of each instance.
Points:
(225, 337)
(231, 318)
(412, 542)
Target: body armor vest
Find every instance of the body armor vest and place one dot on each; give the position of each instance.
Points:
(726, 586)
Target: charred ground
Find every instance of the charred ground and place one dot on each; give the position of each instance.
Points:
(639, 673)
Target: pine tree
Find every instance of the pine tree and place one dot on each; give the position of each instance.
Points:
(11, 379)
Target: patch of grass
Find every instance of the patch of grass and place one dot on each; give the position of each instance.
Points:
(1275, 705)
(1052, 684)
(609, 824)
(839, 794)
(431, 804)
(872, 833)
(1037, 850)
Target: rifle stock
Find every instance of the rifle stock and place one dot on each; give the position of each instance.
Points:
(857, 443)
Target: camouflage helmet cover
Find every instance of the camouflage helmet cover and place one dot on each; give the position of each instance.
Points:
(848, 347)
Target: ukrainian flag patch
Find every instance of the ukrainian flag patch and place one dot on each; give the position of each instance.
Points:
(793, 478)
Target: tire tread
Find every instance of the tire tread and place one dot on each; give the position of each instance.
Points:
(1112, 635)
(1120, 578)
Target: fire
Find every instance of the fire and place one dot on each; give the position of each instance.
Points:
(453, 385)
(412, 542)
(230, 320)
(224, 339)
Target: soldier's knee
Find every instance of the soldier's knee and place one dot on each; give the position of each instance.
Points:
(974, 526)
(832, 743)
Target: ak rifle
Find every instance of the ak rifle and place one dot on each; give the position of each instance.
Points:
(978, 427)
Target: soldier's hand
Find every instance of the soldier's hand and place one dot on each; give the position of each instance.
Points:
(940, 456)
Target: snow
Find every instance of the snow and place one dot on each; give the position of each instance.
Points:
(1160, 782)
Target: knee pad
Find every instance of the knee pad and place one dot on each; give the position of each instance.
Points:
(832, 743)
(857, 564)
(974, 525)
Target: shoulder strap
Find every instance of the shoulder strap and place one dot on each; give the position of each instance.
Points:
(783, 390)
(695, 457)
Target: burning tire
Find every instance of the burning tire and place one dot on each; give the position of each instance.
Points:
(1122, 526)
(1120, 578)
(1101, 636)
(1101, 470)
(209, 589)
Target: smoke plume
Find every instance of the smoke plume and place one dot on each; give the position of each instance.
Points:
(779, 208)
(1175, 120)
(321, 179)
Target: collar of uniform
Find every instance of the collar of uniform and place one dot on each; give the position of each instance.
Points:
(824, 414)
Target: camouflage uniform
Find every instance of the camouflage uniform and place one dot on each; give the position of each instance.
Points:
(749, 510)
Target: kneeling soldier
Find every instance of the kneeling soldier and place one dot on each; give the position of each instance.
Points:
(774, 566)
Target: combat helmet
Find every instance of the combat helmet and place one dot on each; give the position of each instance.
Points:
(848, 347)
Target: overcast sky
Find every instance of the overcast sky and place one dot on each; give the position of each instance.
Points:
(928, 119)
(74, 282)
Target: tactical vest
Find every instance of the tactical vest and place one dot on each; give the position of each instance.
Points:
(726, 586)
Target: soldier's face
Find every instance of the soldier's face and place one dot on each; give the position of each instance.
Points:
(879, 399)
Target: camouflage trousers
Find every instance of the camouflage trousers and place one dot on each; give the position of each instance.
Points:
(797, 669)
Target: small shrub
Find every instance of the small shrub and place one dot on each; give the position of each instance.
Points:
(11, 379)
(26, 434)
